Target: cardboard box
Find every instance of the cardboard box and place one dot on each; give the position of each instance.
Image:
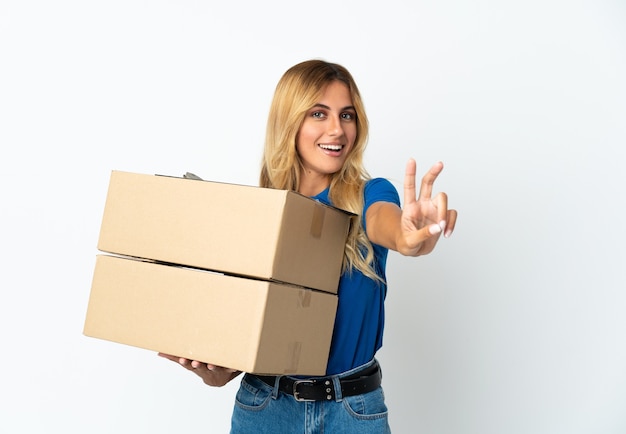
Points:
(251, 325)
(270, 234)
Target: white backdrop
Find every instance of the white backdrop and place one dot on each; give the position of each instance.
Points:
(515, 325)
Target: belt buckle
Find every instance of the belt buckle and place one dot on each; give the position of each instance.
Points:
(296, 394)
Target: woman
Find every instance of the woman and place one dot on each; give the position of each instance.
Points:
(316, 135)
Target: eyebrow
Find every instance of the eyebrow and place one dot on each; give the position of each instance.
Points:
(350, 107)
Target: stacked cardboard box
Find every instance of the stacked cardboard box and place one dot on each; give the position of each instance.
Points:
(238, 276)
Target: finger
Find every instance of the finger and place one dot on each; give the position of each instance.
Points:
(426, 188)
(175, 359)
(409, 182)
(418, 238)
(165, 356)
(441, 203)
(185, 363)
(211, 367)
(452, 216)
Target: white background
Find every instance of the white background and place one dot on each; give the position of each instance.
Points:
(515, 325)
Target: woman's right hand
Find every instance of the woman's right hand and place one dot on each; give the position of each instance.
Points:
(211, 375)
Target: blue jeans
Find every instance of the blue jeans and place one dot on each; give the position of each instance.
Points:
(260, 408)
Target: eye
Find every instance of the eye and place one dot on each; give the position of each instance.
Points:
(317, 114)
(348, 116)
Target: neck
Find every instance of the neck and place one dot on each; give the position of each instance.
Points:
(313, 185)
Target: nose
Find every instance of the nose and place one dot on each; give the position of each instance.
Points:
(334, 126)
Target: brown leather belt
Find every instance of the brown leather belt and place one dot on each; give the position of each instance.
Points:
(323, 388)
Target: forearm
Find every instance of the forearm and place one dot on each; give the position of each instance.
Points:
(383, 222)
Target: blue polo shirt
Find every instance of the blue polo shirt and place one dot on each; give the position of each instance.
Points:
(360, 319)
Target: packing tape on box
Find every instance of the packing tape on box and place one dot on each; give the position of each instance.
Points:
(294, 348)
(293, 357)
(304, 299)
(317, 224)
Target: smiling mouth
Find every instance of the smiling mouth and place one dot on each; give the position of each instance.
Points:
(333, 148)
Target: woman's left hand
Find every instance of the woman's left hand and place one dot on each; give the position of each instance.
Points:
(424, 217)
(211, 375)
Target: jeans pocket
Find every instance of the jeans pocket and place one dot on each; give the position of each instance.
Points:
(369, 405)
(253, 394)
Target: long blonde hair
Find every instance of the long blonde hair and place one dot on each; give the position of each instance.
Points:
(298, 90)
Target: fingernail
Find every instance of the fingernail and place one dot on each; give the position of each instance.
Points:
(442, 223)
(434, 229)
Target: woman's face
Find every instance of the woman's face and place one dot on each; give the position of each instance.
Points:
(326, 136)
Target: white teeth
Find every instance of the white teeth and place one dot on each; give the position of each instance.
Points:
(331, 147)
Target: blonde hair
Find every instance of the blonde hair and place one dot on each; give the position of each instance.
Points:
(298, 90)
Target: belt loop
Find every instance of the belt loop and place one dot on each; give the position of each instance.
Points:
(276, 386)
(337, 386)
